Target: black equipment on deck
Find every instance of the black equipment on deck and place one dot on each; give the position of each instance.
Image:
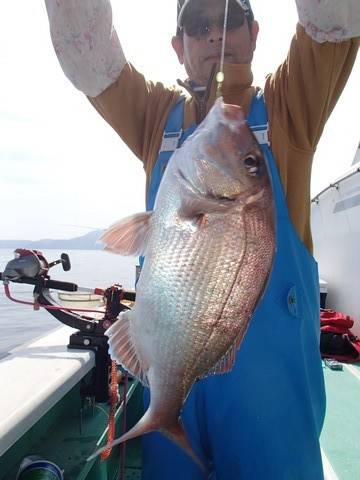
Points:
(31, 267)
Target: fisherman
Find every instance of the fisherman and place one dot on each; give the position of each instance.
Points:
(264, 418)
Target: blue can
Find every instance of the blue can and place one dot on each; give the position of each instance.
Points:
(36, 468)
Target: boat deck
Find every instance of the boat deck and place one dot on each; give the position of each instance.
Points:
(44, 411)
(340, 439)
(71, 431)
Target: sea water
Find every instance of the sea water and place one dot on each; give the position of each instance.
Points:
(89, 268)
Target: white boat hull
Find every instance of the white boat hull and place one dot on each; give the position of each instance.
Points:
(336, 233)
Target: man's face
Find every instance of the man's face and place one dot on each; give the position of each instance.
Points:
(199, 47)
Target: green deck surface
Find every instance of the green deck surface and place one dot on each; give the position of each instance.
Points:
(340, 438)
(61, 437)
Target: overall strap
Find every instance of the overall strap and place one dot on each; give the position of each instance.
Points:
(259, 124)
(257, 119)
(173, 128)
(170, 142)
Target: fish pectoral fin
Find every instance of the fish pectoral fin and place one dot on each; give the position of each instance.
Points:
(122, 350)
(129, 236)
(195, 207)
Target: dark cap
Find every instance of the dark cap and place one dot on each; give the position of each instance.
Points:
(183, 4)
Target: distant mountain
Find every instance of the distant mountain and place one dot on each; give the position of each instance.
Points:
(85, 242)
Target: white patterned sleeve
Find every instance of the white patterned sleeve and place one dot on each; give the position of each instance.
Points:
(330, 20)
(86, 43)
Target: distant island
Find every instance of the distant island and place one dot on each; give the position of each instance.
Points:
(85, 242)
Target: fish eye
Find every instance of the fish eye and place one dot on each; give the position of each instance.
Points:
(252, 164)
(251, 161)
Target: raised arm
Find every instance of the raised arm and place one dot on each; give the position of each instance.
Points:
(86, 43)
(91, 56)
(301, 95)
(304, 90)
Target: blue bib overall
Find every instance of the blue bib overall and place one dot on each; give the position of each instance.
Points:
(263, 419)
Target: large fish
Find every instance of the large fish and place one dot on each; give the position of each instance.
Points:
(208, 246)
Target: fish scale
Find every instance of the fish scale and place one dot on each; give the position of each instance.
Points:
(208, 247)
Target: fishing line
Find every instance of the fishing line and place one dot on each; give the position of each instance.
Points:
(220, 76)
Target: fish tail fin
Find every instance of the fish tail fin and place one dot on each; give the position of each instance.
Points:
(146, 424)
(177, 434)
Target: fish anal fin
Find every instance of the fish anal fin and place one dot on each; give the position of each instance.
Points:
(122, 350)
(129, 236)
(226, 362)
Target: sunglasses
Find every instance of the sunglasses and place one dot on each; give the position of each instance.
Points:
(200, 26)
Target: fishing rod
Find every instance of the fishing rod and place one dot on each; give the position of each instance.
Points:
(220, 77)
(30, 267)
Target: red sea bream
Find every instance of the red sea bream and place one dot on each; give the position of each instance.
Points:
(209, 247)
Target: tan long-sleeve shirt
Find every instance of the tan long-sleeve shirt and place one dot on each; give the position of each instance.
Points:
(300, 96)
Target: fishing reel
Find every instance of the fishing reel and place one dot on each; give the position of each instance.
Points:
(31, 264)
(32, 268)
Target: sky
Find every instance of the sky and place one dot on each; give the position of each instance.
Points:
(63, 170)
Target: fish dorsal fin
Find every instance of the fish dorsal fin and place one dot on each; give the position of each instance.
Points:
(129, 236)
(121, 347)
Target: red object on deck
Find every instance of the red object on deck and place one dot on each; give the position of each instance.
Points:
(337, 341)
